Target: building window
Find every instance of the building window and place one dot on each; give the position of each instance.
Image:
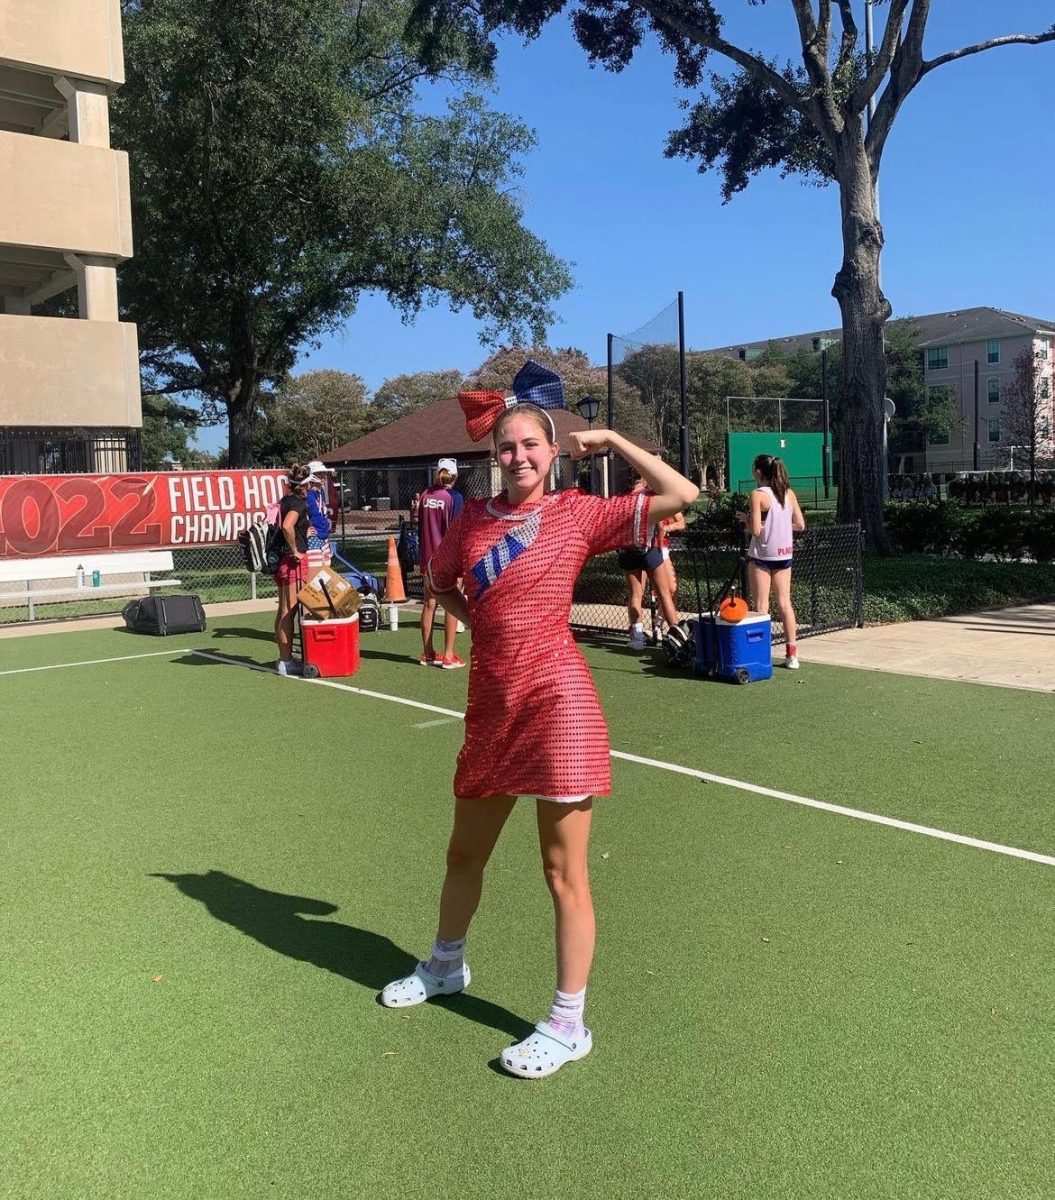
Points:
(937, 358)
(1045, 428)
(993, 390)
(994, 431)
(1045, 348)
(992, 350)
(1045, 388)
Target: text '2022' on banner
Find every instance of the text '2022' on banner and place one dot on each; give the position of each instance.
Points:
(69, 514)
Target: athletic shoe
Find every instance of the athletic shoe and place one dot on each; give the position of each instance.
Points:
(792, 662)
(451, 663)
(637, 639)
(292, 667)
(428, 659)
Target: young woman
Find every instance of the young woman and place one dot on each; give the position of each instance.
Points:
(533, 725)
(437, 508)
(774, 515)
(293, 566)
(636, 563)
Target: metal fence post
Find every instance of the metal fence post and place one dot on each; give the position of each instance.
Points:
(814, 613)
(859, 599)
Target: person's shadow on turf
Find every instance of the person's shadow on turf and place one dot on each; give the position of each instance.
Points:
(277, 920)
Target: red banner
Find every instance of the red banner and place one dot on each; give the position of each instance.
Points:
(68, 514)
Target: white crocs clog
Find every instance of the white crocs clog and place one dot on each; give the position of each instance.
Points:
(422, 985)
(544, 1053)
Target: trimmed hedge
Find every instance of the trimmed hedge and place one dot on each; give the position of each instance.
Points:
(920, 587)
(1006, 534)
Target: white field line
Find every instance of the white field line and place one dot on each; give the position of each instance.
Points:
(838, 809)
(92, 662)
(724, 781)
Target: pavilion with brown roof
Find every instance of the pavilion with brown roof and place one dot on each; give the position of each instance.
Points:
(400, 458)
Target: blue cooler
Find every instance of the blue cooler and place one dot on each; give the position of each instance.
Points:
(740, 651)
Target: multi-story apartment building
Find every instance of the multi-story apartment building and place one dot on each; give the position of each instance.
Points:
(69, 386)
(958, 349)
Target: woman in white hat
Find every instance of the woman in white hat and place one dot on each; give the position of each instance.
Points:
(437, 509)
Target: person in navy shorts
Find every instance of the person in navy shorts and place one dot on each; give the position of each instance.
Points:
(774, 517)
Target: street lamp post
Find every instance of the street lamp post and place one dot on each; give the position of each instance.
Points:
(589, 407)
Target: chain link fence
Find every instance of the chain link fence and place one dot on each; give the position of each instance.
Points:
(826, 586)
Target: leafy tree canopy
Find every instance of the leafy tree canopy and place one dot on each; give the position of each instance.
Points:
(308, 415)
(167, 430)
(404, 394)
(807, 117)
(281, 167)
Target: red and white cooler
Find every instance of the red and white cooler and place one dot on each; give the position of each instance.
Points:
(331, 647)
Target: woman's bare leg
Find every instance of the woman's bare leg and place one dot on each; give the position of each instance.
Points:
(758, 582)
(564, 838)
(782, 595)
(287, 599)
(660, 580)
(635, 582)
(428, 619)
(477, 824)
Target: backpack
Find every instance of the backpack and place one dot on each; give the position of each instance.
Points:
(680, 645)
(369, 613)
(264, 543)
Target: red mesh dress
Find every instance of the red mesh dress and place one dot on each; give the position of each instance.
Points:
(534, 725)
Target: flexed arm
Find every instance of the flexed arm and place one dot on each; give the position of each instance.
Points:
(672, 492)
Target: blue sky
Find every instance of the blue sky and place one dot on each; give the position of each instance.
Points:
(966, 192)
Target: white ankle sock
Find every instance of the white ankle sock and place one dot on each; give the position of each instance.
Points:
(447, 957)
(565, 1014)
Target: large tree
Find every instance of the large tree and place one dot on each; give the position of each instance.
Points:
(282, 165)
(808, 117)
(405, 394)
(307, 415)
(168, 428)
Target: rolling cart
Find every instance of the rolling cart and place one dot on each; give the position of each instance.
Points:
(736, 651)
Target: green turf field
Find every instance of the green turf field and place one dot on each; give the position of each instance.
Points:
(209, 872)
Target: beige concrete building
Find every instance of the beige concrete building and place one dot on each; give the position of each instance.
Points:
(951, 344)
(69, 386)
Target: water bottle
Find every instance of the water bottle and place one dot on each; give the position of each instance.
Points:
(96, 578)
(80, 575)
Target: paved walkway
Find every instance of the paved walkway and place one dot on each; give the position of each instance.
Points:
(1009, 647)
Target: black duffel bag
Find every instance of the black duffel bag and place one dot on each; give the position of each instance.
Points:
(162, 615)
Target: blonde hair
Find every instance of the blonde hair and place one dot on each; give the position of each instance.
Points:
(526, 409)
(444, 478)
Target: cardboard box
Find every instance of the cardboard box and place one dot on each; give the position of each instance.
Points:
(342, 599)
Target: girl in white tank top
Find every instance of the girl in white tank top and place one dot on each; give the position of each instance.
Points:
(771, 524)
(774, 544)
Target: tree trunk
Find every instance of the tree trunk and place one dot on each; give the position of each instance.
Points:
(865, 309)
(240, 429)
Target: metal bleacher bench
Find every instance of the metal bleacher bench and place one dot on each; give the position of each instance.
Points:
(42, 579)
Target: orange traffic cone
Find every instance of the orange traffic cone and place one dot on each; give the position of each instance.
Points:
(394, 593)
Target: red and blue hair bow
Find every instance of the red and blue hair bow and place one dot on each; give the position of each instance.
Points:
(534, 384)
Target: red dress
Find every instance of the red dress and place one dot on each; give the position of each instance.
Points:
(533, 725)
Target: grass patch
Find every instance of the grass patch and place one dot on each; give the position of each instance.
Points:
(922, 587)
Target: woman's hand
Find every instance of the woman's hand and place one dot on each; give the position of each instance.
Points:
(587, 441)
